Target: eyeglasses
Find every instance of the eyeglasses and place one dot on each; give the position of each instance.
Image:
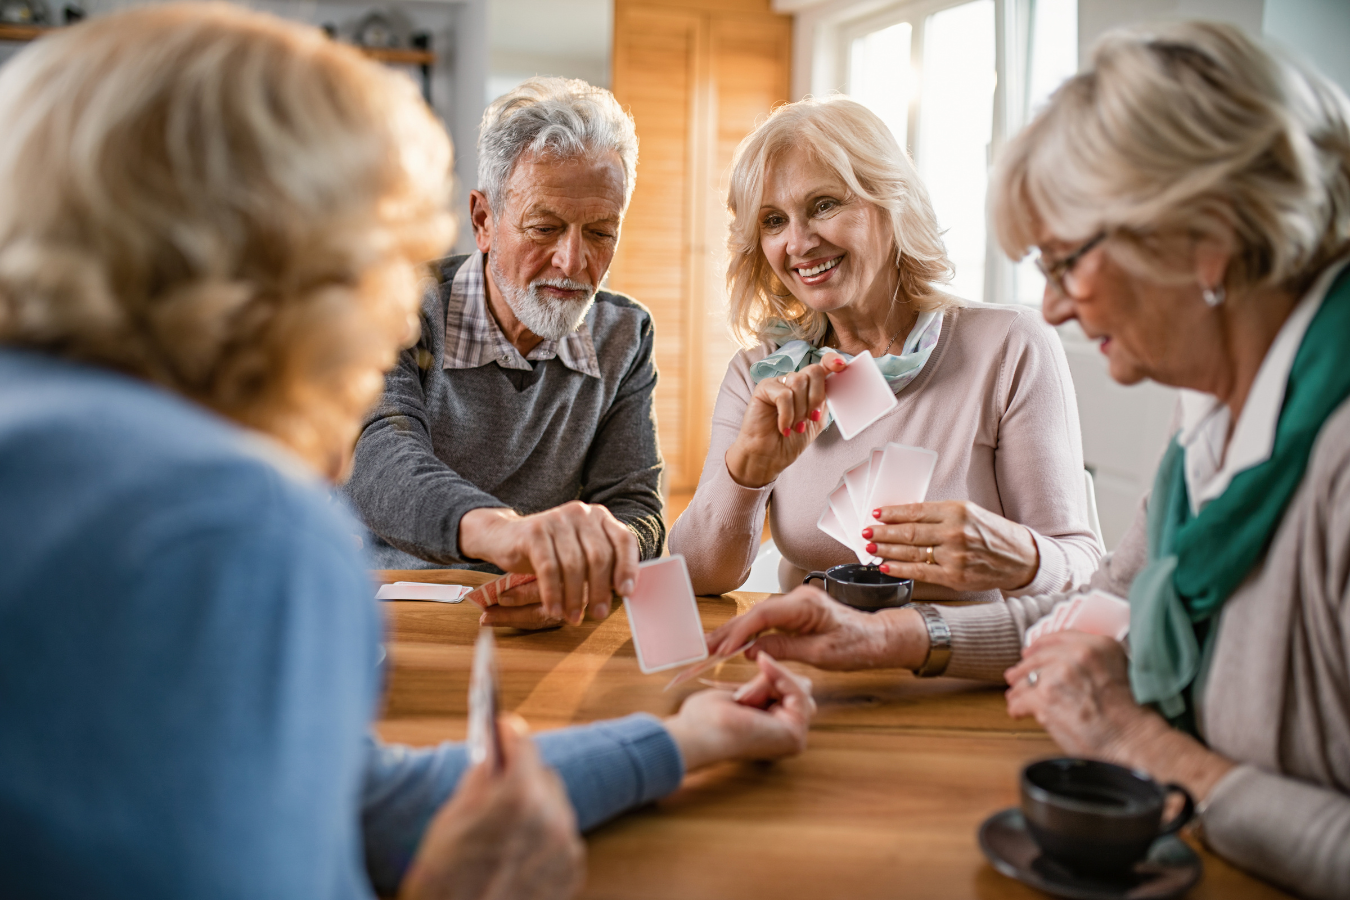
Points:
(1060, 273)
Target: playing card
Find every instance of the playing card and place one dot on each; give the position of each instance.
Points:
(486, 595)
(1100, 613)
(709, 664)
(1095, 612)
(416, 590)
(856, 480)
(849, 523)
(902, 477)
(484, 741)
(663, 616)
(858, 396)
(873, 467)
(829, 524)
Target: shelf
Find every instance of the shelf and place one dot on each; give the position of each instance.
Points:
(397, 55)
(400, 56)
(22, 32)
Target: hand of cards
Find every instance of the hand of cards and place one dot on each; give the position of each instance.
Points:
(891, 475)
(1095, 612)
(487, 595)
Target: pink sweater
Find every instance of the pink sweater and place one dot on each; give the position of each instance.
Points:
(995, 401)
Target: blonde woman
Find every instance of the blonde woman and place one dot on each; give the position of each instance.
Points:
(1189, 195)
(210, 228)
(835, 251)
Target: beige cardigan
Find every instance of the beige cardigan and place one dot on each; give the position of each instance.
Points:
(995, 401)
(1277, 698)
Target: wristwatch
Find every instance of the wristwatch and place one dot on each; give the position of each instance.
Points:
(939, 640)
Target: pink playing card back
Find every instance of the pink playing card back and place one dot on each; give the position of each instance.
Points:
(856, 480)
(663, 616)
(858, 396)
(849, 523)
(830, 525)
(902, 477)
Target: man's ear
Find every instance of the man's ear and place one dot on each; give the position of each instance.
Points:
(480, 217)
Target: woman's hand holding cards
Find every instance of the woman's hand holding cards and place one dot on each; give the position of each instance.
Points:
(768, 717)
(954, 543)
(784, 416)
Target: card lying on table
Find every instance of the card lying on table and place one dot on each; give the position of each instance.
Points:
(1095, 612)
(858, 396)
(663, 616)
(417, 590)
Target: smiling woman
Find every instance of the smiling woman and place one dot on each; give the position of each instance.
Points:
(835, 252)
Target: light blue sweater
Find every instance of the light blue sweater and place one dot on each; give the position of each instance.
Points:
(188, 672)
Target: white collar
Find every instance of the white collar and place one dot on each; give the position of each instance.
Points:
(1210, 466)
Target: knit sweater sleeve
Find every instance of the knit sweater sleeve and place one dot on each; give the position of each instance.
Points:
(719, 531)
(607, 767)
(623, 465)
(1039, 459)
(405, 493)
(987, 637)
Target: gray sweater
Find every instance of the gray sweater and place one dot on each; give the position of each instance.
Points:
(1277, 696)
(443, 442)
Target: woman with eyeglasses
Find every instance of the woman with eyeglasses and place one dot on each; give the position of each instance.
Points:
(835, 252)
(1190, 196)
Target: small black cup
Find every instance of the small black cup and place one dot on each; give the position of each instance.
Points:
(864, 587)
(1096, 818)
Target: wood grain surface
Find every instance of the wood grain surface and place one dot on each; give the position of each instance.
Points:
(885, 802)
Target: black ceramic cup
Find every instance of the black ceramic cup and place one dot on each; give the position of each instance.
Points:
(863, 587)
(1096, 818)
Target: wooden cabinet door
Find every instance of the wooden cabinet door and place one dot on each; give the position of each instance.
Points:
(697, 76)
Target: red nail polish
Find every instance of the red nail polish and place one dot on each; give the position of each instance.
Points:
(885, 568)
(876, 514)
(867, 532)
(871, 548)
(800, 427)
(815, 415)
(786, 432)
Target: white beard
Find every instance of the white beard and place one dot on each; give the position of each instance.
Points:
(550, 319)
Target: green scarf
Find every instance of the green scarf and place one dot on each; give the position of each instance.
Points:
(1196, 562)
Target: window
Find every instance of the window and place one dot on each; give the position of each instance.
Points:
(952, 80)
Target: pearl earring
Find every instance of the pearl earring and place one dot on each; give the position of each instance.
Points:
(1213, 296)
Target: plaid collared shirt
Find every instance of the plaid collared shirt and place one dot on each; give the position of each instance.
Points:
(473, 338)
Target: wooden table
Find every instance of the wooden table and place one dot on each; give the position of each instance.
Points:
(884, 803)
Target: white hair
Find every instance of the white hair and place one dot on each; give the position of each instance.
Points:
(1187, 129)
(552, 118)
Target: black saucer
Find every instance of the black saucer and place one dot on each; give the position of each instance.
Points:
(1170, 869)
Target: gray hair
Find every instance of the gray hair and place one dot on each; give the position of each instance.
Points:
(1181, 130)
(554, 118)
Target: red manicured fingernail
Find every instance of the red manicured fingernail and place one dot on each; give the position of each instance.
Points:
(815, 415)
(885, 568)
(786, 432)
(867, 532)
(799, 427)
(876, 514)
(871, 548)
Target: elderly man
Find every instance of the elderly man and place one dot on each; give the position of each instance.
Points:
(519, 434)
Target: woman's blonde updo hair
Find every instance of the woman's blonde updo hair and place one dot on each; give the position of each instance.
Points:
(858, 147)
(1190, 130)
(224, 203)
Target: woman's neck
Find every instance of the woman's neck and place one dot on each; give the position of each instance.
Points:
(1248, 328)
(878, 324)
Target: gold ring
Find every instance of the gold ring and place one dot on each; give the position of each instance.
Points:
(930, 560)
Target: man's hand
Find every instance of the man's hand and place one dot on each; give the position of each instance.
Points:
(766, 718)
(503, 835)
(579, 551)
(813, 628)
